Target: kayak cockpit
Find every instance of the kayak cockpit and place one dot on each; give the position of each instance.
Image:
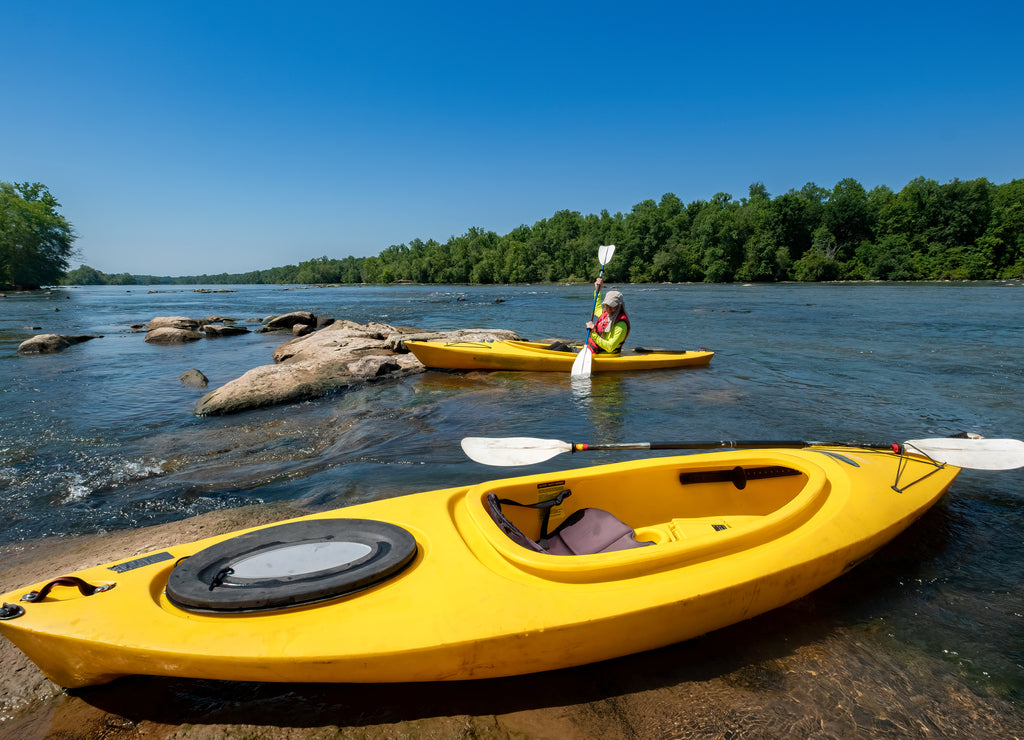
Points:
(672, 510)
(585, 532)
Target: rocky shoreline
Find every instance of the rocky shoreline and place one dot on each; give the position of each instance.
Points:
(323, 355)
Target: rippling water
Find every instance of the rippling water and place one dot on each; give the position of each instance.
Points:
(101, 436)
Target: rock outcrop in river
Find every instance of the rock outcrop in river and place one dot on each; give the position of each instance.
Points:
(339, 355)
(324, 356)
(298, 323)
(181, 329)
(50, 343)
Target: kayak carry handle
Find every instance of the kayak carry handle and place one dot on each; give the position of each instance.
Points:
(86, 589)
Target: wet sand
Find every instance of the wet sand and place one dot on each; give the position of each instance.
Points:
(796, 672)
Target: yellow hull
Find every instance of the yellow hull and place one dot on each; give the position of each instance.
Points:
(474, 604)
(532, 356)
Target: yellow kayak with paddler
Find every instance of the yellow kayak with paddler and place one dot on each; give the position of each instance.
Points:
(536, 357)
(506, 577)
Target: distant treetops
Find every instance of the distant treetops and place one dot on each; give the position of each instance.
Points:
(961, 230)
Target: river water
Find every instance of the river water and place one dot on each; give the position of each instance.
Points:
(101, 436)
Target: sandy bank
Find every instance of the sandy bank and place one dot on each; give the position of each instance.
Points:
(797, 672)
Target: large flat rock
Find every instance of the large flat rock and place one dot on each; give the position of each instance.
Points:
(337, 356)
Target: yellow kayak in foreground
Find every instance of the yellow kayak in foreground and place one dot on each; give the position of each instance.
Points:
(506, 577)
(534, 356)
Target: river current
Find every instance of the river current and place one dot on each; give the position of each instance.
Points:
(101, 437)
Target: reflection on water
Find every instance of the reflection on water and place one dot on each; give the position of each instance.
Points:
(602, 398)
(582, 390)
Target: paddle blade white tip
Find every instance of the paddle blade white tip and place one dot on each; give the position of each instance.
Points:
(976, 454)
(582, 364)
(512, 450)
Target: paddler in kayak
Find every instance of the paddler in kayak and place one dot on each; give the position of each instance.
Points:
(610, 326)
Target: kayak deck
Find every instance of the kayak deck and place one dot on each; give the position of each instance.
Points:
(534, 356)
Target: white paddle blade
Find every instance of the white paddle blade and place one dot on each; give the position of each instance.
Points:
(582, 364)
(976, 454)
(604, 254)
(512, 450)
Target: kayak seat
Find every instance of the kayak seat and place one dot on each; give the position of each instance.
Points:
(584, 532)
(590, 531)
(510, 529)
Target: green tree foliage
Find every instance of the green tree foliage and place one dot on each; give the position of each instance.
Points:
(925, 231)
(847, 216)
(818, 263)
(86, 275)
(35, 240)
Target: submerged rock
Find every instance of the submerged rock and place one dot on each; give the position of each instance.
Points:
(194, 379)
(340, 355)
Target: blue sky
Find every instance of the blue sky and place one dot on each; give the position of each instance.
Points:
(205, 137)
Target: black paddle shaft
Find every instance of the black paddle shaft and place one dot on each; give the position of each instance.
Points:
(752, 444)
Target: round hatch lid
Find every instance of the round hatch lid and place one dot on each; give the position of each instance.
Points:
(290, 564)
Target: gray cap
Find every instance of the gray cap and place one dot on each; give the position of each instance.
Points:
(613, 299)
